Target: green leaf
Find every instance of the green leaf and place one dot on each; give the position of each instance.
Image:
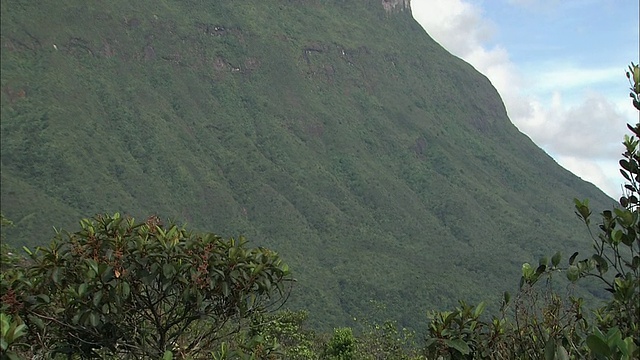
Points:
(543, 261)
(55, 275)
(459, 345)
(527, 271)
(126, 290)
(450, 317)
(613, 335)
(601, 264)
(172, 233)
(97, 297)
(4, 323)
(561, 353)
(479, 309)
(625, 164)
(168, 355)
(45, 298)
(106, 273)
(573, 273)
(625, 217)
(616, 237)
(82, 289)
(19, 331)
(598, 346)
(93, 265)
(550, 350)
(630, 238)
(168, 270)
(573, 258)
(94, 319)
(257, 269)
(36, 320)
(629, 347)
(555, 260)
(621, 346)
(26, 249)
(507, 297)
(582, 209)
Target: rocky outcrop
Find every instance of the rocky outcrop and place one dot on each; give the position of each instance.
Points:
(390, 5)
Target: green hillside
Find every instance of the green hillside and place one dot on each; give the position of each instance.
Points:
(336, 132)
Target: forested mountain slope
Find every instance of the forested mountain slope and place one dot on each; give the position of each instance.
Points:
(337, 133)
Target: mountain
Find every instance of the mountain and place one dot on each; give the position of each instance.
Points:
(338, 133)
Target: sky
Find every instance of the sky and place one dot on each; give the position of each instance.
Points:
(559, 66)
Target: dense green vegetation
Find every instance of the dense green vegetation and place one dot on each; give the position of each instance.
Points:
(378, 165)
(121, 290)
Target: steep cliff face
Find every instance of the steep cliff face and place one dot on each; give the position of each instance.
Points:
(338, 133)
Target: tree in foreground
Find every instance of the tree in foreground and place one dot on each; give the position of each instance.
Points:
(141, 290)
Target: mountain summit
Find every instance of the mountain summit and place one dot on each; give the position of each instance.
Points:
(338, 133)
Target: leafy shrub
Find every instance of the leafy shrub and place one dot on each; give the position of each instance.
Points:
(143, 290)
(12, 328)
(288, 329)
(342, 345)
(386, 341)
(11, 331)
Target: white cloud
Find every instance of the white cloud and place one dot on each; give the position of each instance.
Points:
(495, 64)
(578, 131)
(548, 103)
(569, 77)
